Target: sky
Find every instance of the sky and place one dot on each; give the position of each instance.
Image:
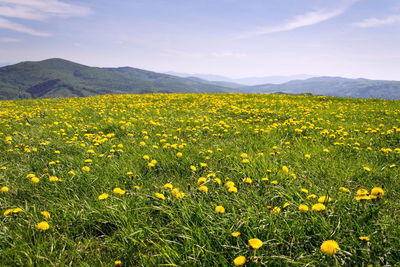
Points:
(233, 38)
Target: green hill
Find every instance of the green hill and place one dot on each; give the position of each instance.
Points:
(62, 78)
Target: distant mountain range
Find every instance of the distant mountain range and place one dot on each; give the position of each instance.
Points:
(244, 81)
(62, 78)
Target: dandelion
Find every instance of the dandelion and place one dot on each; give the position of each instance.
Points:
(307, 156)
(304, 190)
(364, 238)
(103, 196)
(146, 157)
(240, 260)
(179, 154)
(245, 161)
(219, 209)
(330, 247)
(203, 188)
(361, 192)
(86, 168)
(248, 180)
(54, 179)
(217, 181)
(232, 189)
(255, 243)
(201, 180)
(318, 207)
(4, 189)
(312, 196)
(276, 210)
(303, 207)
(324, 199)
(168, 186)
(229, 184)
(193, 168)
(43, 226)
(235, 234)
(367, 169)
(377, 191)
(35, 180)
(160, 196)
(46, 214)
(344, 189)
(117, 263)
(118, 191)
(285, 169)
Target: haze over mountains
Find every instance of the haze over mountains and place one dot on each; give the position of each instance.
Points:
(61, 78)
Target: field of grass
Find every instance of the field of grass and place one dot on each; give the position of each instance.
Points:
(140, 179)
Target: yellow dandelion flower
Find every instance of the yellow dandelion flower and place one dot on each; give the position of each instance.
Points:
(193, 168)
(240, 260)
(324, 199)
(364, 238)
(368, 169)
(168, 186)
(217, 181)
(201, 180)
(103, 196)
(330, 247)
(229, 184)
(43, 226)
(276, 210)
(219, 209)
(203, 188)
(304, 190)
(232, 189)
(160, 196)
(361, 192)
(318, 207)
(4, 189)
(86, 168)
(179, 154)
(235, 234)
(303, 207)
(312, 196)
(255, 243)
(245, 161)
(46, 214)
(285, 169)
(377, 191)
(248, 180)
(118, 191)
(344, 189)
(35, 180)
(117, 263)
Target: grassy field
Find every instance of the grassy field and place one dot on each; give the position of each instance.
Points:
(199, 180)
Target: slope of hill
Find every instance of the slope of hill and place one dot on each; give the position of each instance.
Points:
(62, 78)
(333, 86)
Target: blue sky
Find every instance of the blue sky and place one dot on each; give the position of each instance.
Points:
(234, 38)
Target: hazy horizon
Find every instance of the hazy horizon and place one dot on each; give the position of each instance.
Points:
(231, 38)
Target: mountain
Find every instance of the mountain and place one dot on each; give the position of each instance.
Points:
(333, 86)
(61, 78)
(244, 81)
(219, 83)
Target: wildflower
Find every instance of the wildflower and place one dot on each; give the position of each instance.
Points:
(318, 207)
(219, 209)
(324, 199)
(193, 168)
(54, 179)
(43, 226)
(238, 261)
(46, 214)
(118, 191)
(255, 243)
(159, 196)
(303, 207)
(264, 179)
(248, 180)
(368, 169)
(146, 157)
(217, 181)
(330, 247)
(285, 169)
(287, 204)
(203, 188)
(307, 156)
(312, 196)
(179, 154)
(229, 184)
(232, 189)
(274, 182)
(71, 172)
(86, 168)
(168, 186)
(377, 191)
(363, 197)
(103, 196)
(136, 187)
(4, 189)
(201, 180)
(364, 238)
(35, 180)
(203, 165)
(361, 192)
(235, 234)
(344, 189)
(244, 155)
(304, 190)
(276, 210)
(117, 263)
(245, 161)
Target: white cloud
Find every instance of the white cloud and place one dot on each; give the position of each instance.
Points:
(373, 22)
(304, 20)
(36, 10)
(9, 25)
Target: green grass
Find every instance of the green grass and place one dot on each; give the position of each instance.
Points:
(140, 229)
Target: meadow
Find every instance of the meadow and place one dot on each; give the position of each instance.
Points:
(200, 180)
